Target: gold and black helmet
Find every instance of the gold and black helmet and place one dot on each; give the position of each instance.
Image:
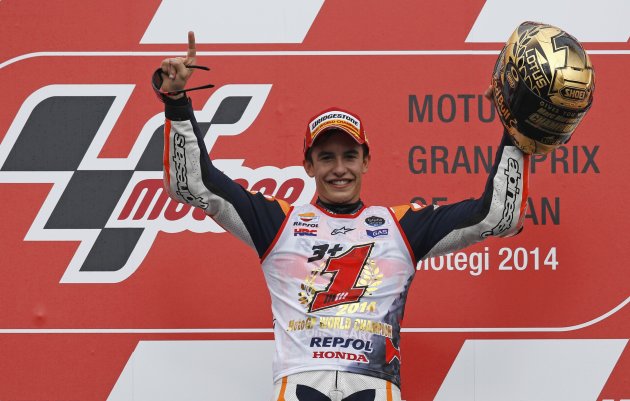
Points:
(543, 85)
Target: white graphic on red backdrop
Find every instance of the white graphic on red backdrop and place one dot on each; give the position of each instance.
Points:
(588, 21)
(184, 370)
(558, 370)
(235, 21)
(489, 370)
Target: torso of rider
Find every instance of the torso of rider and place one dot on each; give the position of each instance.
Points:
(338, 270)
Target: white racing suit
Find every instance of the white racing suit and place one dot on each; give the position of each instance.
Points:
(338, 282)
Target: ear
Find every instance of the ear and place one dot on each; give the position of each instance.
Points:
(366, 163)
(309, 168)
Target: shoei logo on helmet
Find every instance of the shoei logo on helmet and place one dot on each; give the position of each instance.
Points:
(574, 93)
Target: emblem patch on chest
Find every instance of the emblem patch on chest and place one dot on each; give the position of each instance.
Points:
(343, 279)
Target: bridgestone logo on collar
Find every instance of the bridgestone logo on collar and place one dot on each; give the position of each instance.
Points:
(513, 174)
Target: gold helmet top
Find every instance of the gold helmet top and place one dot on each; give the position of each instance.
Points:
(543, 83)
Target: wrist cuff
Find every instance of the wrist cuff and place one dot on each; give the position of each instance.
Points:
(178, 109)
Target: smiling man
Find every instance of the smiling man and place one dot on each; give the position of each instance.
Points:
(340, 158)
(338, 270)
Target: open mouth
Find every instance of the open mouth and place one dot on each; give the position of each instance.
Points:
(339, 182)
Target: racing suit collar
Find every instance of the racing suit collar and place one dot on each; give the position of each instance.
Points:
(346, 208)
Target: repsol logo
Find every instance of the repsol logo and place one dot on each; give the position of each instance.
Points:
(302, 224)
(340, 342)
(450, 107)
(513, 174)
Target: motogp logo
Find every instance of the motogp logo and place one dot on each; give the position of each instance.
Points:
(115, 207)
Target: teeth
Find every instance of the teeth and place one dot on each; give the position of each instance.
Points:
(340, 182)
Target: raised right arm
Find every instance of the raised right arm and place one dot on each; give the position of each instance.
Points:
(191, 178)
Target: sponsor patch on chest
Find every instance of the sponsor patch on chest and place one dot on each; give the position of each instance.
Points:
(379, 232)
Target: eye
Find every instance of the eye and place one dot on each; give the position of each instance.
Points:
(325, 157)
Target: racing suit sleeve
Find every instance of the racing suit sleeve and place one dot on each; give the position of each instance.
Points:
(437, 230)
(190, 177)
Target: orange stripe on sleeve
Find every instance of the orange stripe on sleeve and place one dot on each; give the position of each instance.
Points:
(399, 211)
(525, 183)
(283, 389)
(389, 391)
(278, 234)
(284, 205)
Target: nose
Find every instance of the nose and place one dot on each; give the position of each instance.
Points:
(339, 168)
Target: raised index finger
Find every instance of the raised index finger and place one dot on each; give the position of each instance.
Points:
(192, 51)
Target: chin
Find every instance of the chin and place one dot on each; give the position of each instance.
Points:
(341, 196)
(341, 199)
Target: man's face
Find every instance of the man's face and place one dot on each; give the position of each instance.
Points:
(338, 164)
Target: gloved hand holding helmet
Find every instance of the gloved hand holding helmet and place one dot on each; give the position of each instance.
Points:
(542, 85)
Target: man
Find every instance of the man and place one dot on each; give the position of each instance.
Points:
(338, 270)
